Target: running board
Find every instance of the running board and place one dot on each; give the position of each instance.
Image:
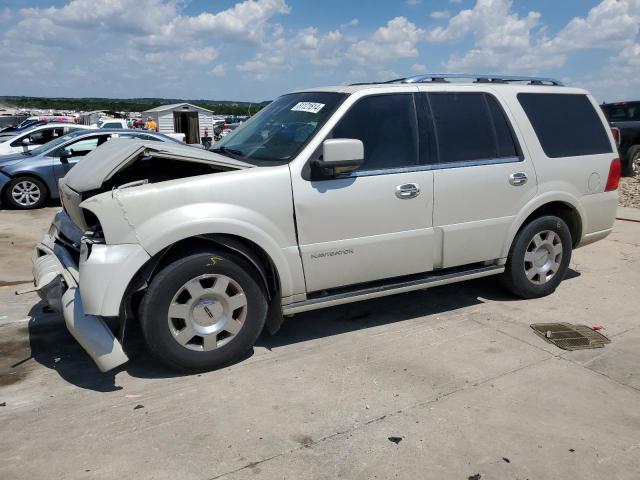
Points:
(433, 280)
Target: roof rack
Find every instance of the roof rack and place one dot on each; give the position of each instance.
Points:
(477, 78)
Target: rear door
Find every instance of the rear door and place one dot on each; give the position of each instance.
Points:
(482, 177)
(373, 223)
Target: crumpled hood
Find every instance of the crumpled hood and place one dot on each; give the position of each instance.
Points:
(12, 159)
(104, 162)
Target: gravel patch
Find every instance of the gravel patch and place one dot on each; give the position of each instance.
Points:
(629, 190)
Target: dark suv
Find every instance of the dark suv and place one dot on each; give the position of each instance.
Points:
(624, 118)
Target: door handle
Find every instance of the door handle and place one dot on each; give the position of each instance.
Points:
(518, 178)
(407, 190)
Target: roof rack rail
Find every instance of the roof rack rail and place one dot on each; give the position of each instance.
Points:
(477, 78)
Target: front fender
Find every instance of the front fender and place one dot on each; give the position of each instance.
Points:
(172, 226)
(533, 205)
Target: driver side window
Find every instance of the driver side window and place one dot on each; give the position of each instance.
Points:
(386, 125)
(82, 147)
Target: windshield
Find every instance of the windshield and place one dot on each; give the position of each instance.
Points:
(280, 130)
(54, 143)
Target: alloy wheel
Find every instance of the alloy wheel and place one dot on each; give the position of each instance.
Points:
(543, 257)
(26, 193)
(207, 312)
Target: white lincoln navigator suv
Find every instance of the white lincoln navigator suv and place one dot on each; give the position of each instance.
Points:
(327, 196)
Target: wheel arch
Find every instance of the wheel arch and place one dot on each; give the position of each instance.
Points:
(560, 205)
(27, 174)
(252, 253)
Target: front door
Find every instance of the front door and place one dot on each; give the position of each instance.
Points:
(376, 222)
(482, 178)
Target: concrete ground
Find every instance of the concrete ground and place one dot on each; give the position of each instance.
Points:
(448, 383)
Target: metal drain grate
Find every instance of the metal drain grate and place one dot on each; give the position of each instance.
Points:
(570, 337)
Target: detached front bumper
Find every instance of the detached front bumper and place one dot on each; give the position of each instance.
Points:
(56, 277)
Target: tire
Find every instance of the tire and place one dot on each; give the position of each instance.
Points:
(543, 244)
(631, 167)
(26, 193)
(193, 317)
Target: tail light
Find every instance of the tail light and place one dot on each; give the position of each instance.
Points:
(616, 135)
(614, 175)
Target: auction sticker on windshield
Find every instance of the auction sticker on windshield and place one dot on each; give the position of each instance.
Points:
(307, 107)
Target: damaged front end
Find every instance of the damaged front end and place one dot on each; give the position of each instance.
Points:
(85, 263)
(56, 277)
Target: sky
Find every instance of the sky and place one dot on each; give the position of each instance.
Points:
(255, 50)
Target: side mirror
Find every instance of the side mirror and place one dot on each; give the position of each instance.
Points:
(65, 155)
(26, 142)
(341, 155)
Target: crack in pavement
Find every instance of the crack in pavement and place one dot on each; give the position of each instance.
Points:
(380, 418)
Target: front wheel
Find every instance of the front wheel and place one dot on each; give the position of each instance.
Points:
(203, 312)
(539, 258)
(26, 193)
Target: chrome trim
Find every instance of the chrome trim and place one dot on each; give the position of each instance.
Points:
(478, 78)
(433, 166)
(389, 289)
(518, 178)
(407, 191)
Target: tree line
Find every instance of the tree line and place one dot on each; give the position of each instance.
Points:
(127, 105)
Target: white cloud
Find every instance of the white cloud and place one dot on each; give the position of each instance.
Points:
(396, 40)
(611, 23)
(263, 65)
(200, 55)
(351, 23)
(419, 68)
(440, 14)
(219, 70)
(504, 40)
(245, 20)
(319, 49)
(508, 42)
(619, 79)
(386, 75)
(152, 37)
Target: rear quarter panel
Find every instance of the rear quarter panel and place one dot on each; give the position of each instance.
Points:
(577, 181)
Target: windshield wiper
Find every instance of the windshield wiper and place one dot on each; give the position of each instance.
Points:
(229, 152)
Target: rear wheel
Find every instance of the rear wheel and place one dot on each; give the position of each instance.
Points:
(26, 193)
(203, 312)
(539, 258)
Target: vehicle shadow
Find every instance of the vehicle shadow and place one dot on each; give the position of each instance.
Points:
(395, 308)
(53, 346)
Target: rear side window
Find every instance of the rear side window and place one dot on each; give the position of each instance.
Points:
(566, 125)
(471, 126)
(386, 124)
(505, 143)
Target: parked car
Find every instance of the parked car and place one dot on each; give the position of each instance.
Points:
(112, 123)
(326, 197)
(36, 136)
(29, 179)
(624, 117)
(25, 124)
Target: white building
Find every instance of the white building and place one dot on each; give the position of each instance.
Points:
(182, 118)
